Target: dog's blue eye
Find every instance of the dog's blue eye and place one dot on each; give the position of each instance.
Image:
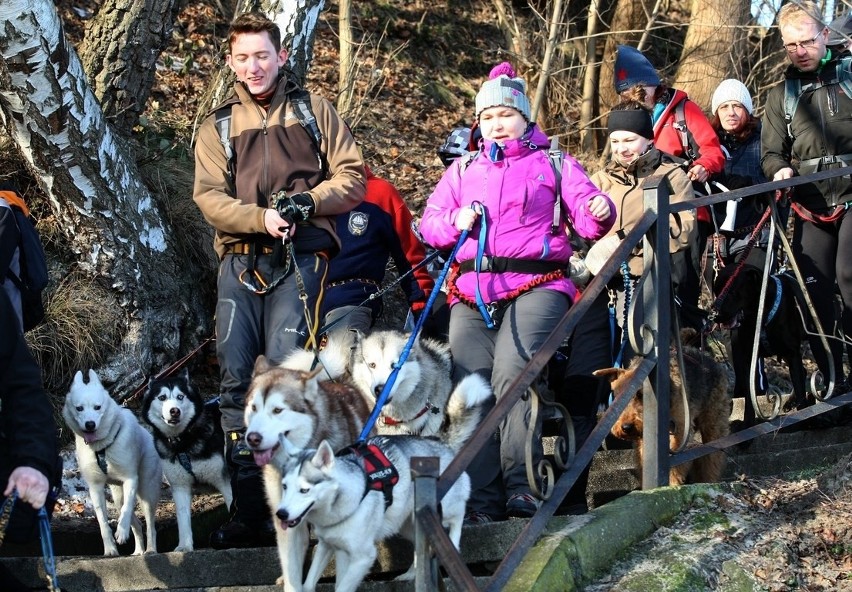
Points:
(180, 397)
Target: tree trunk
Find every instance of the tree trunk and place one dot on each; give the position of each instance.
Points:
(108, 216)
(549, 48)
(346, 82)
(119, 53)
(588, 137)
(297, 20)
(716, 38)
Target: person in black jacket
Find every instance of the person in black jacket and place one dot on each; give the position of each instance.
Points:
(815, 134)
(29, 458)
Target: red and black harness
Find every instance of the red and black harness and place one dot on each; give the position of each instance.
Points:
(380, 473)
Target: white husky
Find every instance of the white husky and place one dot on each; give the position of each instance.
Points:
(114, 449)
(348, 517)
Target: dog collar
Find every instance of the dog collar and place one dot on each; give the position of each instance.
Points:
(390, 421)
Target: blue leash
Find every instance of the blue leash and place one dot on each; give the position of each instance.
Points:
(483, 308)
(380, 402)
(46, 539)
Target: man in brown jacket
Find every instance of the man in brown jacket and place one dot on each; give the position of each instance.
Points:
(271, 187)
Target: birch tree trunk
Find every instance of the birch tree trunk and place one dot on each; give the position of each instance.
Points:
(108, 216)
(346, 83)
(714, 44)
(119, 54)
(588, 137)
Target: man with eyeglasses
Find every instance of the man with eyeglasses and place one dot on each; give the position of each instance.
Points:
(808, 128)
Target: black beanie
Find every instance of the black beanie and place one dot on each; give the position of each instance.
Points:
(637, 121)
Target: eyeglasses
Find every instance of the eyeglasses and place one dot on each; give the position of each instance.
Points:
(806, 44)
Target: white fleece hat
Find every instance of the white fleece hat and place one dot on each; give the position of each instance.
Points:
(731, 90)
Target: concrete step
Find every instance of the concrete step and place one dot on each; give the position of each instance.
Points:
(483, 546)
(613, 474)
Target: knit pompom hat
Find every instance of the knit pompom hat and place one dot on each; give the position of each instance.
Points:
(503, 87)
(632, 68)
(731, 90)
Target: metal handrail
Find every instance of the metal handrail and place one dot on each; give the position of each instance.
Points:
(644, 323)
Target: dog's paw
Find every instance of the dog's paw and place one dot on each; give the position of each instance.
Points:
(122, 532)
(279, 581)
(184, 549)
(110, 551)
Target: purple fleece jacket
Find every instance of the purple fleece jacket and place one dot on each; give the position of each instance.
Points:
(518, 192)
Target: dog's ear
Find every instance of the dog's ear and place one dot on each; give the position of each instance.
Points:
(261, 364)
(78, 379)
(611, 374)
(306, 376)
(324, 457)
(93, 377)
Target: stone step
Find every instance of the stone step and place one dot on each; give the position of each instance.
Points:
(612, 475)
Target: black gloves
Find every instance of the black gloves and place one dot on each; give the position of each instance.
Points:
(294, 208)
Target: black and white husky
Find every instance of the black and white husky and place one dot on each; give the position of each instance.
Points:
(190, 441)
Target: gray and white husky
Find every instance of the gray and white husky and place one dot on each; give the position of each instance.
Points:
(114, 449)
(348, 518)
(306, 409)
(190, 441)
(423, 400)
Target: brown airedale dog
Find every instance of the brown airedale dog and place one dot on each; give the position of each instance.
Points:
(709, 413)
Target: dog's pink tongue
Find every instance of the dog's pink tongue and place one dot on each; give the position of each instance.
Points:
(283, 524)
(89, 437)
(262, 457)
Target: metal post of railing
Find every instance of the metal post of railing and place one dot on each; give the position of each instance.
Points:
(652, 334)
(424, 474)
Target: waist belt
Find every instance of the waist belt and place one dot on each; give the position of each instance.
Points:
(245, 249)
(510, 264)
(811, 165)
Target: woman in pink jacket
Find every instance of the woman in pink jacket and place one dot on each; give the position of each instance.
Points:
(511, 286)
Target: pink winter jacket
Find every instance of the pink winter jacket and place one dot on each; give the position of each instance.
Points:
(518, 194)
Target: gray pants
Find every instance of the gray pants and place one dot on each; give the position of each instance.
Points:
(500, 354)
(249, 324)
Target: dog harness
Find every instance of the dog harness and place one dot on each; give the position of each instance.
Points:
(380, 473)
(100, 455)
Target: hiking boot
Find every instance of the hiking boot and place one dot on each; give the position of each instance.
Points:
(522, 505)
(240, 535)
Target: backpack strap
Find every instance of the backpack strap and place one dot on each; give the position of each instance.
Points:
(793, 89)
(556, 158)
(223, 126)
(300, 100)
(683, 131)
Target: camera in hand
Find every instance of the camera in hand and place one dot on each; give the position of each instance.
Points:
(293, 208)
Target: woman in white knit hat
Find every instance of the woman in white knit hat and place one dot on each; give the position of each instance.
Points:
(739, 133)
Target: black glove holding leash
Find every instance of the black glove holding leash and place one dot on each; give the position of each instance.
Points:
(294, 208)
